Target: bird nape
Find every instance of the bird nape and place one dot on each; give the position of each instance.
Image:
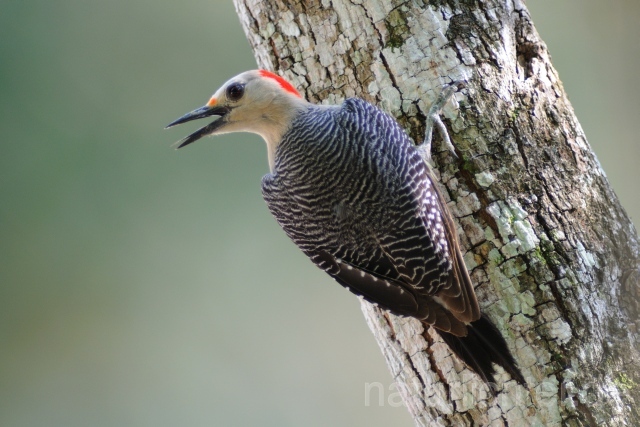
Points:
(355, 195)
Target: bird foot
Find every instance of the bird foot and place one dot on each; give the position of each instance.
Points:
(433, 119)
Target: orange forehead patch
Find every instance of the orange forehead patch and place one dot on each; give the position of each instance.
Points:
(282, 82)
(213, 101)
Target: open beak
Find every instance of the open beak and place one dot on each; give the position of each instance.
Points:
(201, 113)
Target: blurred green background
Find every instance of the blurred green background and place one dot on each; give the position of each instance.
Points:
(145, 286)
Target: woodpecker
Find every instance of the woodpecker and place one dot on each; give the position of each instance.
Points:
(353, 192)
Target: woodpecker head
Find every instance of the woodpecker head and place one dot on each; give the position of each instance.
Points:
(256, 101)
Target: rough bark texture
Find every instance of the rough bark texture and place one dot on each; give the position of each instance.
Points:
(553, 255)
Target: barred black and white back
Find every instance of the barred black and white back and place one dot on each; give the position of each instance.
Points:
(352, 192)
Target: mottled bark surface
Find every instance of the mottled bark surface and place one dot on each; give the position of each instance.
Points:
(553, 255)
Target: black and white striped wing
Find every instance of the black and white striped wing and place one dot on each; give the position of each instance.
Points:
(429, 258)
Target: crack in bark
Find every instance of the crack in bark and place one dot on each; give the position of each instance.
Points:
(434, 365)
(381, 56)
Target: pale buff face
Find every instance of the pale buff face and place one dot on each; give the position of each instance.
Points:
(264, 107)
(255, 101)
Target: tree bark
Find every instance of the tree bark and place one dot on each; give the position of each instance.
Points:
(552, 253)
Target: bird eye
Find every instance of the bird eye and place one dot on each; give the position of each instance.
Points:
(235, 91)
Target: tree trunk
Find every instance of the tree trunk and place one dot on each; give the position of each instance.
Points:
(553, 255)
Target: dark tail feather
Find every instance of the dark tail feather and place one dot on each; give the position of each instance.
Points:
(482, 347)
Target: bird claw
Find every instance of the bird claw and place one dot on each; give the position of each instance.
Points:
(434, 120)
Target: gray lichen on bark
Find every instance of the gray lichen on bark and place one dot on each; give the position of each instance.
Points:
(553, 255)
